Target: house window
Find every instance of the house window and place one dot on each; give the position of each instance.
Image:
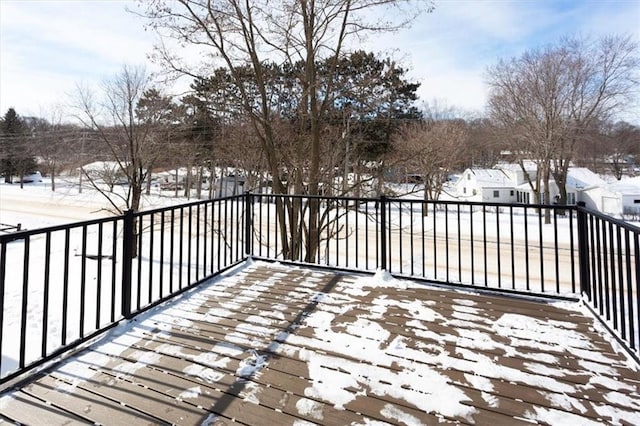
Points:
(464, 190)
(468, 177)
(511, 192)
(636, 201)
(571, 198)
(496, 194)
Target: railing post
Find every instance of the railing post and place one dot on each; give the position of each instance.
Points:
(583, 249)
(127, 258)
(383, 233)
(248, 222)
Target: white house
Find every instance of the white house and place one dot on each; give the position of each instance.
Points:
(509, 183)
(487, 185)
(584, 185)
(622, 197)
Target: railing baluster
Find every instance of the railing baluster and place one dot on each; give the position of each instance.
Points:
(412, 233)
(435, 242)
(473, 281)
(526, 247)
(423, 246)
(45, 298)
(65, 286)
(513, 249)
(205, 216)
(128, 240)
(459, 245)
(614, 296)
(83, 280)
(150, 263)
(139, 251)
(631, 325)
(214, 268)
(605, 268)
(25, 298)
(555, 249)
(599, 266)
(498, 247)
(162, 242)
(446, 240)
(400, 229)
(114, 253)
(541, 243)
(189, 238)
(383, 233)
(198, 243)
(484, 245)
(3, 274)
(99, 278)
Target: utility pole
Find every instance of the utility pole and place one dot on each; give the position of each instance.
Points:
(84, 134)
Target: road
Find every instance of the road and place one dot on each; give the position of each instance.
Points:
(36, 207)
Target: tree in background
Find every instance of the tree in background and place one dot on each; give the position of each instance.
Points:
(157, 114)
(16, 158)
(53, 142)
(610, 147)
(547, 99)
(485, 147)
(129, 134)
(295, 34)
(373, 99)
(431, 149)
(623, 142)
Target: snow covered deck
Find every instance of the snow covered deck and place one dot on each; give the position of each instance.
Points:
(271, 344)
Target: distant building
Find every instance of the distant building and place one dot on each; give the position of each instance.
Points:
(509, 183)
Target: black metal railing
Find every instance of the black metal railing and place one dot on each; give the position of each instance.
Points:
(507, 247)
(61, 286)
(610, 274)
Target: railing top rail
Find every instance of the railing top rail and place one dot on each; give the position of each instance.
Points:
(416, 201)
(187, 205)
(5, 238)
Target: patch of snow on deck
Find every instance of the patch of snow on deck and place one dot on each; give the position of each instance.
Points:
(394, 413)
(190, 393)
(309, 408)
(251, 365)
(557, 417)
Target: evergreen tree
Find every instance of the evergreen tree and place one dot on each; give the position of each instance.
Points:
(14, 155)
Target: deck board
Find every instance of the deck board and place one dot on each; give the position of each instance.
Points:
(271, 344)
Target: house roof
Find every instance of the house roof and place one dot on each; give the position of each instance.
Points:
(491, 178)
(626, 186)
(529, 166)
(583, 178)
(274, 344)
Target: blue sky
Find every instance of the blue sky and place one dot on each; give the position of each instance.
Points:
(47, 47)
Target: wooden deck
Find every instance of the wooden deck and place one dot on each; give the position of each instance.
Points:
(274, 345)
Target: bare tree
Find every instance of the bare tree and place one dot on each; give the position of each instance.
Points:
(622, 143)
(247, 36)
(431, 149)
(54, 141)
(548, 98)
(126, 136)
